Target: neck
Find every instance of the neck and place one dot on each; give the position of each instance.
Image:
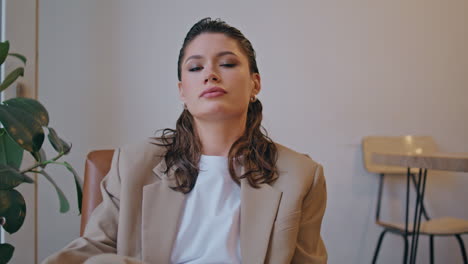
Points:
(218, 136)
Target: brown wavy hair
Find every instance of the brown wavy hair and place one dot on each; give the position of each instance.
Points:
(254, 149)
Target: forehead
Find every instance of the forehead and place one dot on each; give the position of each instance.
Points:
(207, 44)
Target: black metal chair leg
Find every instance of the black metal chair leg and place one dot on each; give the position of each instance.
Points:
(405, 254)
(377, 249)
(462, 248)
(431, 249)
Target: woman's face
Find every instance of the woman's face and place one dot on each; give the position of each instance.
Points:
(216, 80)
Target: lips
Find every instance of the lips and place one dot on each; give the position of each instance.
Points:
(213, 92)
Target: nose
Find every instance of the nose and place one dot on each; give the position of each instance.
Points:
(213, 77)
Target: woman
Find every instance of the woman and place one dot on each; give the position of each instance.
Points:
(216, 189)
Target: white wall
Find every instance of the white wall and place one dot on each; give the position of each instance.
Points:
(332, 72)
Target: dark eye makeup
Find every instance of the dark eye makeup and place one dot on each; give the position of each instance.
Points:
(227, 65)
(193, 69)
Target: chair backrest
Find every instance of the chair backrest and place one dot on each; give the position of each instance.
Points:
(396, 145)
(96, 168)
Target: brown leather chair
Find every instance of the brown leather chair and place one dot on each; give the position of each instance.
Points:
(97, 166)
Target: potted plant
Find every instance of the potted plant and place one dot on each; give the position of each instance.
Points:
(24, 121)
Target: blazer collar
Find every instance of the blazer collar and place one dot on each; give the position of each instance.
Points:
(163, 207)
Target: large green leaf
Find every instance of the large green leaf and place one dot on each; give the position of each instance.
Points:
(10, 152)
(57, 143)
(11, 78)
(13, 209)
(78, 184)
(22, 127)
(64, 205)
(4, 48)
(19, 56)
(11, 177)
(6, 252)
(33, 107)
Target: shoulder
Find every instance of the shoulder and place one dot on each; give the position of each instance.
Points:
(289, 158)
(296, 169)
(144, 153)
(145, 147)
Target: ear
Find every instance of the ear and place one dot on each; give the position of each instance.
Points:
(181, 92)
(257, 84)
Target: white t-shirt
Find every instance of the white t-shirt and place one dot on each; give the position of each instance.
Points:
(209, 231)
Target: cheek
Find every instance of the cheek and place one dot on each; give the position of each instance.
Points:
(187, 90)
(246, 85)
(241, 80)
(244, 92)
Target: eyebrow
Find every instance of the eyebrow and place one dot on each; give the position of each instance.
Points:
(222, 53)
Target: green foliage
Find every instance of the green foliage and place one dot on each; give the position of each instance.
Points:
(32, 107)
(4, 48)
(14, 151)
(78, 184)
(18, 56)
(11, 78)
(64, 205)
(23, 121)
(11, 177)
(57, 143)
(13, 209)
(6, 252)
(22, 127)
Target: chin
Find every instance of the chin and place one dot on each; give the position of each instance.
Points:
(218, 112)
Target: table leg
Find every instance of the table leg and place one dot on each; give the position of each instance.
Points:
(421, 200)
(413, 237)
(420, 190)
(405, 257)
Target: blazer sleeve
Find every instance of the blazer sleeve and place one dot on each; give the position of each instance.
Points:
(100, 234)
(310, 247)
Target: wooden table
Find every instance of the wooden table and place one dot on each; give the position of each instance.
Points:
(435, 161)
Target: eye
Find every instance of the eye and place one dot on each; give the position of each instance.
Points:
(228, 65)
(193, 69)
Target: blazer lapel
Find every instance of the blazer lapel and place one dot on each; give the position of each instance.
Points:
(162, 208)
(258, 212)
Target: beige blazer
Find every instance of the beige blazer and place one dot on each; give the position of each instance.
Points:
(138, 218)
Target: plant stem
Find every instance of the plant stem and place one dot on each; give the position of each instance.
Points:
(58, 163)
(30, 169)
